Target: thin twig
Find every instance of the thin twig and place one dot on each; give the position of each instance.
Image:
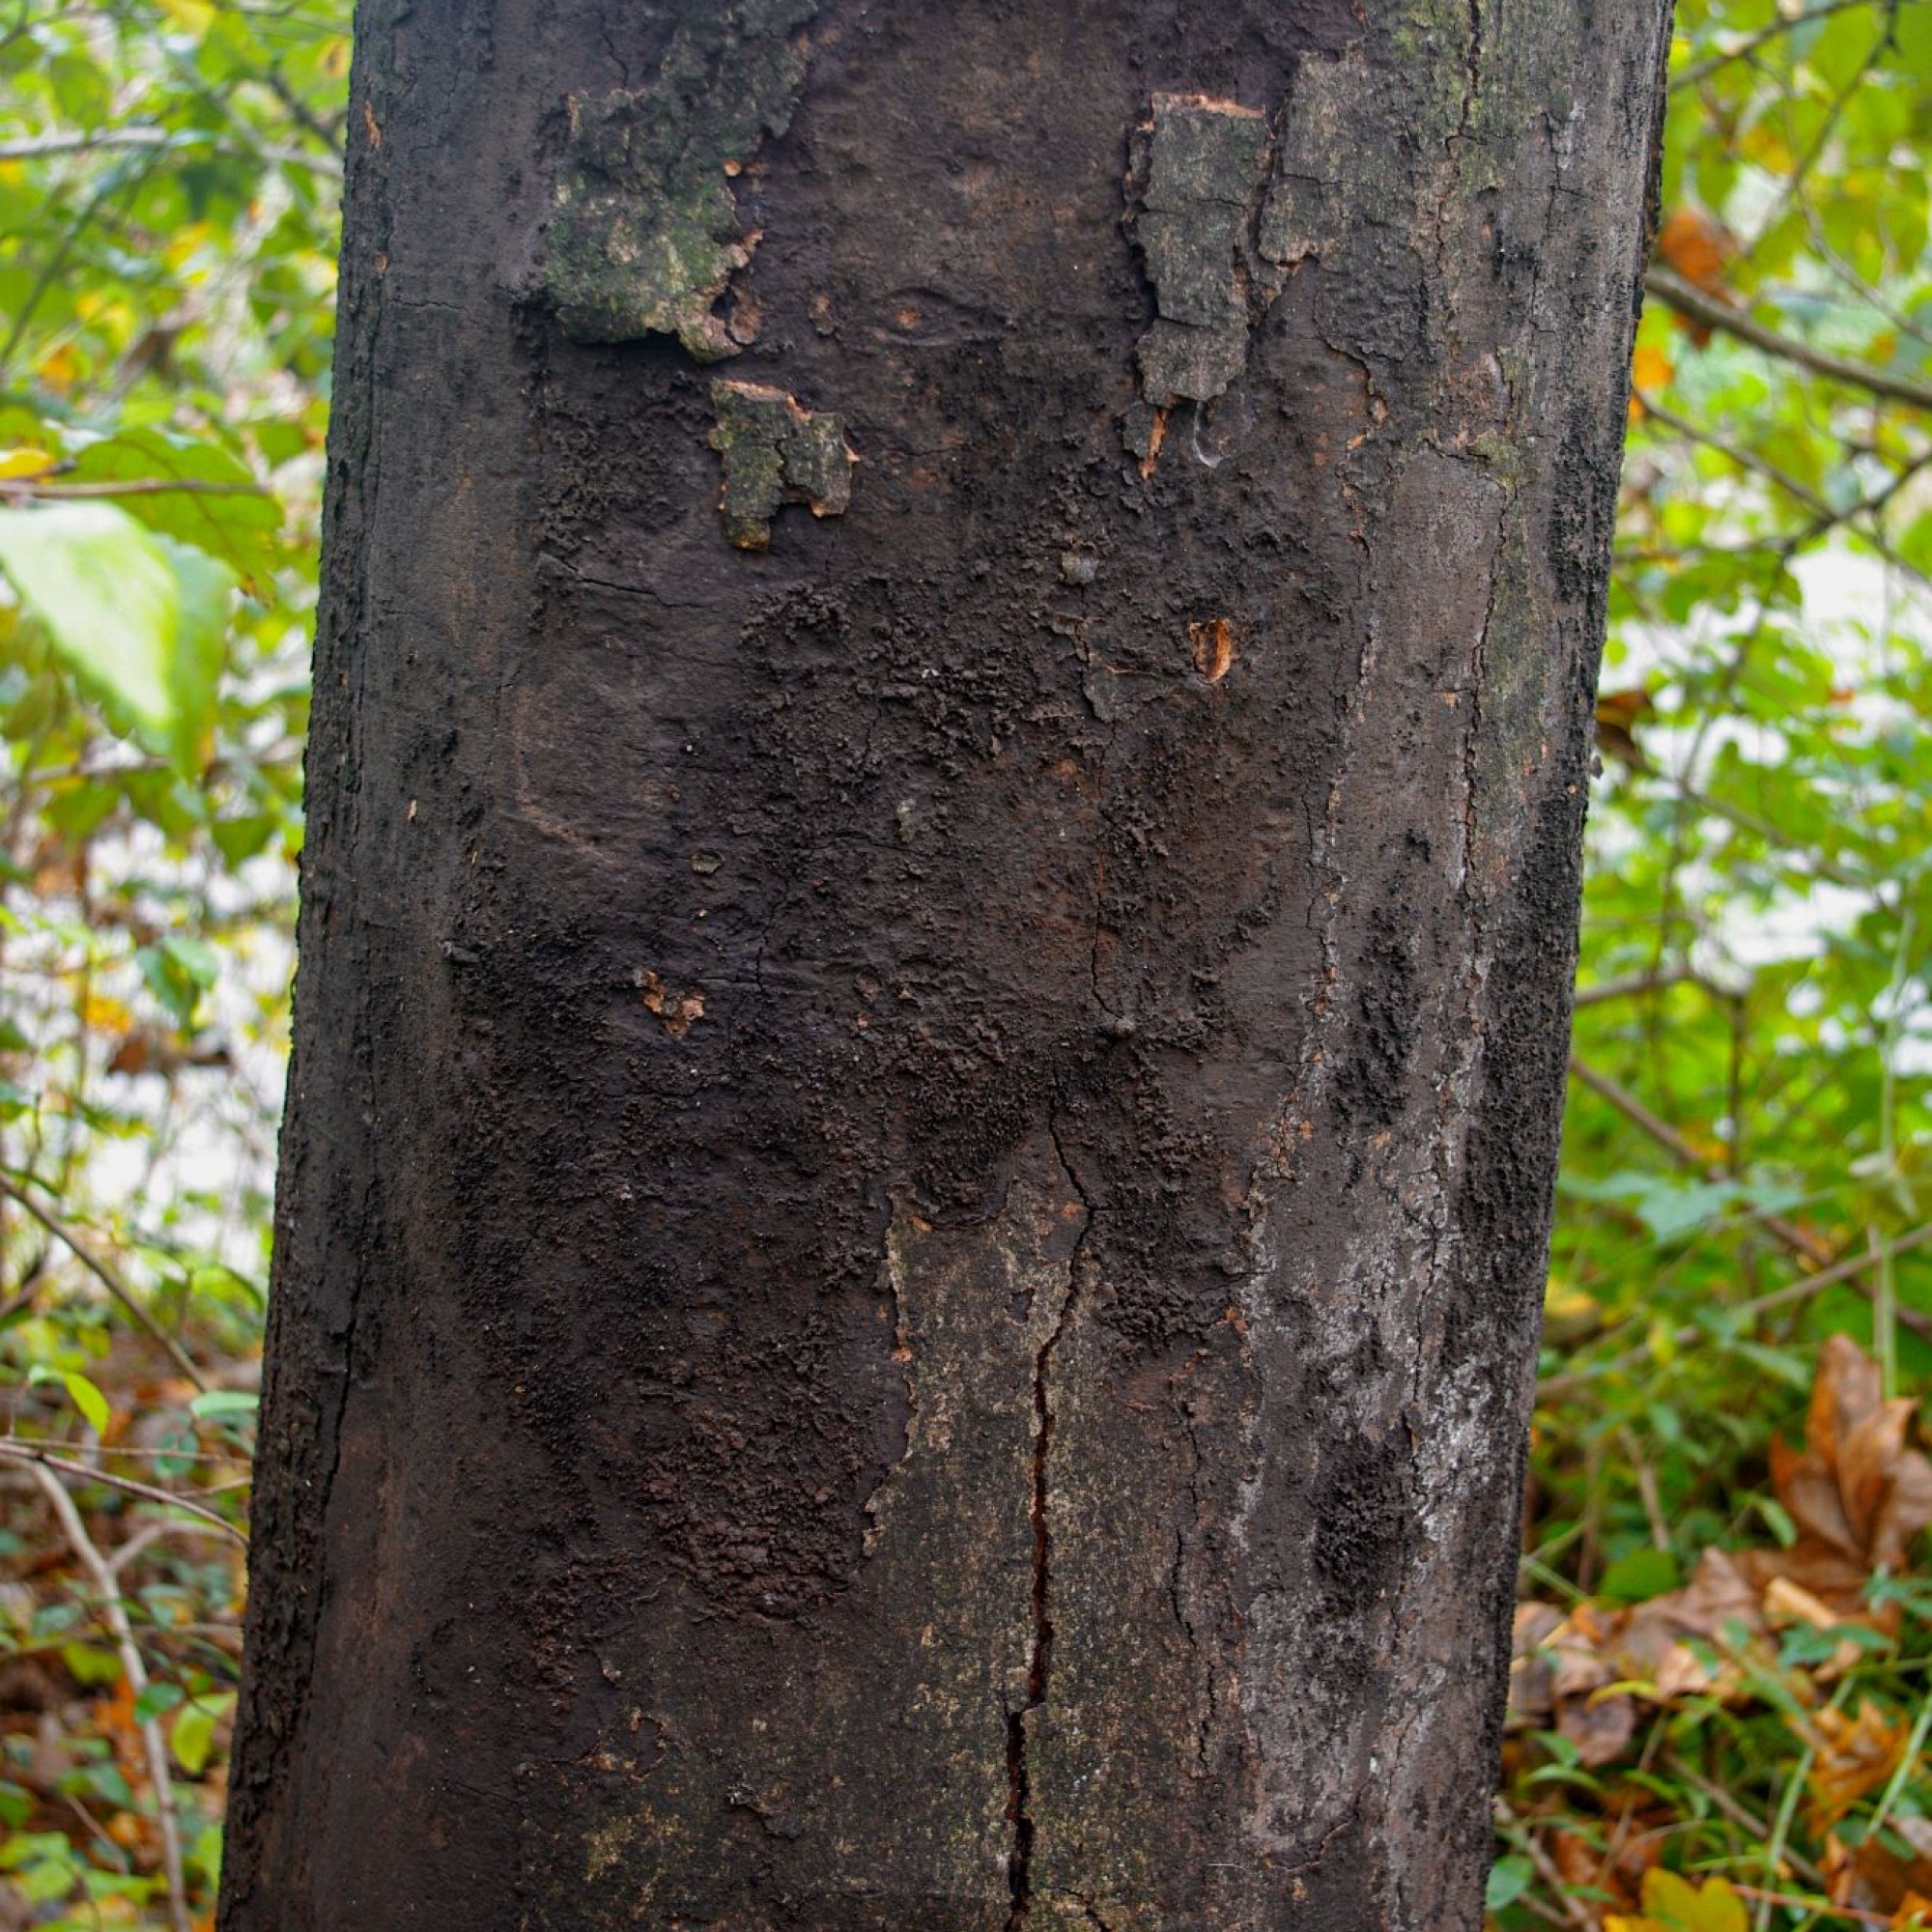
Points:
(108, 1277)
(1637, 984)
(1785, 24)
(136, 486)
(40, 147)
(1740, 1814)
(1519, 1834)
(1694, 305)
(1815, 1251)
(1745, 459)
(12, 1450)
(1818, 1908)
(118, 1853)
(1801, 1290)
(115, 1611)
(1792, 186)
(151, 1533)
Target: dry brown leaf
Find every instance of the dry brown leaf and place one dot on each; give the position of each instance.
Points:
(1870, 1878)
(1806, 1484)
(1717, 1603)
(1600, 1727)
(1859, 1494)
(1564, 1666)
(1854, 1755)
(1699, 248)
(1583, 1866)
(1532, 1685)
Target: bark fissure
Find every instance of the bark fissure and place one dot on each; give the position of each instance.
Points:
(1039, 1657)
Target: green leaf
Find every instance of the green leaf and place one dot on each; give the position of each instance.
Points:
(206, 592)
(225, 1405)
(1640, 1575)
(90, 1666)
(157, 1700)
(206, 1853)
(193, 1739)
(179, 970)
(81, 1392)
(110, 600)
(228, 513)
(47, 1879)
(1509, 1879)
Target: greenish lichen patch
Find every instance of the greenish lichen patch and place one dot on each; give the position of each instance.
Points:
(1201, 164)
(646, 236)
(775, 453)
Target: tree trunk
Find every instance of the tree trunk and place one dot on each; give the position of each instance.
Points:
(951, 715)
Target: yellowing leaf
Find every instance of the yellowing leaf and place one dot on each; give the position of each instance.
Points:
(1676, 1905)
(59, 369)
(1650, 367)
(191, 16)
(25, 463)
(1769, 149)
(100, 1013)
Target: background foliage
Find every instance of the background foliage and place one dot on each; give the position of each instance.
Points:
(168, 180)
(1721, 1703)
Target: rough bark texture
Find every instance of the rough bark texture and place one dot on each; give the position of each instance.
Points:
(926, 1087)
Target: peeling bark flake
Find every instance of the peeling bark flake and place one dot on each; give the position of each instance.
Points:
(646, 236)
(776, 452)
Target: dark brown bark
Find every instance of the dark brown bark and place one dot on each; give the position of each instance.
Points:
(918, 1160)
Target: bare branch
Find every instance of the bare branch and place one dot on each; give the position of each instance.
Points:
(1694, 305)
(1745, 459)
(133, 486)
(1743, 49)
(1794, 1237)
(40, 147)
(114, 1610)
(1637, 984)
(12, 1450)
(109, 1277)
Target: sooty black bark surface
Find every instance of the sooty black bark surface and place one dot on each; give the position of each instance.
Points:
(952, 707)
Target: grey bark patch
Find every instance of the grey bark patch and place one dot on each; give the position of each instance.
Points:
(646, 236)
(1307, 200)
(1201, 166)
(776, 452)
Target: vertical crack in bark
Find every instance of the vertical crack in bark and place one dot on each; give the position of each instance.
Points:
(1039, 1658)
(1473, 65)
(1019, 1861)
(1119, 1024)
